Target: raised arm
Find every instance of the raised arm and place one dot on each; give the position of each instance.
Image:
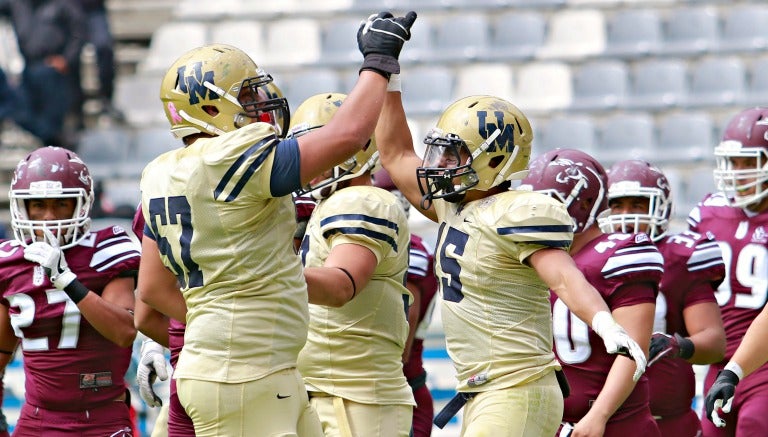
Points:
(395, 144)
(380, 40)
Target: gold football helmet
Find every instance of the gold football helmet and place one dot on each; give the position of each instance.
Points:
(479, 143)
(314, 113)
(216, 89)
(282, 118)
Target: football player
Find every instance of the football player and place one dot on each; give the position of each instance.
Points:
(67, 297)
(352, 362)
(163, 332)
(497, 252)
(220, 222)
(737, 216)
(422, 283)
(625, 268)
(687, 325)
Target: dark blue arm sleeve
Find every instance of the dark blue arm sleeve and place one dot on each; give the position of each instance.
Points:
(286, 176)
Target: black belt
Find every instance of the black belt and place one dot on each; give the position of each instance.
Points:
(451, 408)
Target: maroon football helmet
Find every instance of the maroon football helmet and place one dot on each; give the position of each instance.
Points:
(636, 178)
(573, 177)
(51, 173)
(745, 136)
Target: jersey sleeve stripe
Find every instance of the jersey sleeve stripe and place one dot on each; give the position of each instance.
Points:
(360, 217)
(352, 230)
(230, 173)
(104, 266)
(533, 229)
(705, 256)
(558, 236)
(417, 264)
(117, 239)
(634, 259)
(110, 252)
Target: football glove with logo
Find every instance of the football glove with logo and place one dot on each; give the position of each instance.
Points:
(380, 40)
(720, 396)
(669, 346)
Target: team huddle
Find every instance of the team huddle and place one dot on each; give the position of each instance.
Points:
(277, 266)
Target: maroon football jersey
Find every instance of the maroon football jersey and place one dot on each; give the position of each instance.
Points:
(693, 269)
(744, 243)
(420, 271)
(613, 264)
(68, 365)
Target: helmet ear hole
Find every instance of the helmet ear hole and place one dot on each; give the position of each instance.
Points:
(211, 110)
(495, 161)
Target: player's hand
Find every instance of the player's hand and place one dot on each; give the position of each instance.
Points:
(151, 366)
(617, 341)
(380, 39)
(51, 259)
(669, 346)
(720, 396)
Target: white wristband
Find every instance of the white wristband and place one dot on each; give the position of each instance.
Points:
(394, 84)
(735, 368)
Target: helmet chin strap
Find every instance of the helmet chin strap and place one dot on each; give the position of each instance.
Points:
(205, 126)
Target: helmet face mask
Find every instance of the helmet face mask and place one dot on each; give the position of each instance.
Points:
(51, 173)
(216, 89)
(741, 158)
(447, 167)
(479, 143)
(314, 113)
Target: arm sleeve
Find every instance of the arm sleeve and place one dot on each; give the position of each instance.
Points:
(286, 176)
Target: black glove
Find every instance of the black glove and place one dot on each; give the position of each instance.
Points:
(720, 396)
(669, 346)
(380, 40)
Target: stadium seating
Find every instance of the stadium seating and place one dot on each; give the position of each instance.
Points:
(567, 131)
(172, 40)
(717, 82)
(633, 33)
(574, 33)
(690, 31)
(427, 90)
(516, 35)
(485, 78)
(247, 35)
(685, 137)
(544, 86)
(745, 28)
(658, 84)
(625, 136)
(600, 85)
(460, 38)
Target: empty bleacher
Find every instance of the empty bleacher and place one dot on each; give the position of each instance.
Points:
(653, 79)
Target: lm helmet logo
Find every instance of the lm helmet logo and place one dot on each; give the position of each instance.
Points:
(193, 84)
(505, 140)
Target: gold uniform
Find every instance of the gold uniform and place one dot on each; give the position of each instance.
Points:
(229, 242)
(495, 308)
(354, 352)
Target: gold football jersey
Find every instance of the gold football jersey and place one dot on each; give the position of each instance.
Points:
(230, 244)
(495, 308)
(355, 351)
